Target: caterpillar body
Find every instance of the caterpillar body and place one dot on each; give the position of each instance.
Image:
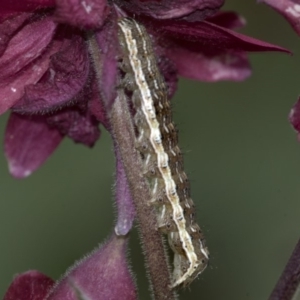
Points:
(157, 142)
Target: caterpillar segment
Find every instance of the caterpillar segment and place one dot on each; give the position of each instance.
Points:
(157, 142)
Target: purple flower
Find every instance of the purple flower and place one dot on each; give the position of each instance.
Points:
(48, 81)
(290, 9)
(103, 274)
(30, 285)
(54, 89)
(294, 117)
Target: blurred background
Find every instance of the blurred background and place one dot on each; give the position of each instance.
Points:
(241, 155)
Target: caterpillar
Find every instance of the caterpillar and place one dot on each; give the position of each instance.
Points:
(157, 143)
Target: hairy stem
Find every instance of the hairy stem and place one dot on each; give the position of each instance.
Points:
(123, 134)
(152, 242)
(288, 285)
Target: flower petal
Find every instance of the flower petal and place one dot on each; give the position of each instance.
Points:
(31, 285)
(78, 124)
(290, 9)
(126, 211)
(29, 141)
(24, 5)
(210, 38)
(197, 66)
(88, 14)
(18, 64)
(208, 52)
(8, 28)
(167, 9)
(294, 117)
(101, 275)
(227, 19)
(67, 74)
(26, 46)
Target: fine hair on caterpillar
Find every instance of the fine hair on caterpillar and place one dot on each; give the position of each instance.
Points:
(157, 143)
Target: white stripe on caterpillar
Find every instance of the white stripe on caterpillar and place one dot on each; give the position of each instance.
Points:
(163, 162)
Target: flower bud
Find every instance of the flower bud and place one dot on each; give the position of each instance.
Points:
(103, 274)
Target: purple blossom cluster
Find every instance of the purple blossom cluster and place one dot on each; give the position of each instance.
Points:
(54, 89)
